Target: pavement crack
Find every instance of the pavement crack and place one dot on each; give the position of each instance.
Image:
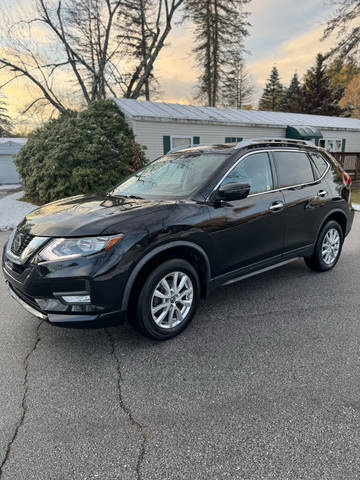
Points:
(126, 409)
(24, 406)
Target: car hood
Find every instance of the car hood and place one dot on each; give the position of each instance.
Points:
(89, 215)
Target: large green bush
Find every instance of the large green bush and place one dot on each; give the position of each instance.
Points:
(79, 152)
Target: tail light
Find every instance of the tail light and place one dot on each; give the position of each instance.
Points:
(346, 179)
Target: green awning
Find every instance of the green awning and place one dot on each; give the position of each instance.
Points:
(303, 132)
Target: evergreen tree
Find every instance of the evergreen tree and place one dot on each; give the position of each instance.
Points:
(319, 96)
(79, 152)
(238, 87)
(273, 93)
(291, 101)
(220, 24)
(5, 123)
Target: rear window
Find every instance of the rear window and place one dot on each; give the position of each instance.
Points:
(320, 164)
(294, 168)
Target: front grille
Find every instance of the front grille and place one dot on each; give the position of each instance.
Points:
(20, 242)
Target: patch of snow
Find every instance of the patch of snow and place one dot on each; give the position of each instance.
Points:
(13, 186)
(12, 210)
(356, 207)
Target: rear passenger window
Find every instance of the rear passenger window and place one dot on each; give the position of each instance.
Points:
(320, 164)
(294, 168)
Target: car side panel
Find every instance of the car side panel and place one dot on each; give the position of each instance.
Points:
(246, 231)
(304, 212)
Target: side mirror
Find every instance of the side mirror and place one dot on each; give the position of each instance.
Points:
(233, 191)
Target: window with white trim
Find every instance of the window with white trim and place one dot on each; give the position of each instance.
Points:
(331, 144)
(181, 142)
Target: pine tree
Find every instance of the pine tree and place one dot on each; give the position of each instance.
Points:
(291, 101)
(273, 92)
(5, 123)
(238, 87)
(319, 96)
(219, 25)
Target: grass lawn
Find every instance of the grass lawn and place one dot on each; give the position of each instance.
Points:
(355, 196)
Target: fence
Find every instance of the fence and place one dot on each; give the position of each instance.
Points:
(351, 163)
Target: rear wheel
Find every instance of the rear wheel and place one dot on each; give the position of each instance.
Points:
(168, 300)
(327, 249)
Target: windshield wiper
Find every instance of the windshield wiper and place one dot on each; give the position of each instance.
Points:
(129, 196)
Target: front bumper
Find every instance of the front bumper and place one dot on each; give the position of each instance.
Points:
(28, 282)
(67, 320)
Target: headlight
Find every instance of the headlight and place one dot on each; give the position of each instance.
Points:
(67, 248)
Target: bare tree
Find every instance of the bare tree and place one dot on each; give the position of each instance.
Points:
(136, 33)
(143, 36)
(82, 32)
(86, 59)
(346, 24)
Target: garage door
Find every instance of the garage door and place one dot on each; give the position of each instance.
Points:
(8, 173)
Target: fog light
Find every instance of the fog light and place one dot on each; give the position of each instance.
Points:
(51, 304)
(77, 299)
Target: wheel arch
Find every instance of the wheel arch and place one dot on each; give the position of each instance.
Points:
(339, 216)
(185, 250)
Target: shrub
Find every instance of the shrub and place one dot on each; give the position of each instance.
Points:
(78, 152)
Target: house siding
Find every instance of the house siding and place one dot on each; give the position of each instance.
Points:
(9, 147)
(151, 133)
(352, 139)
(8, 173)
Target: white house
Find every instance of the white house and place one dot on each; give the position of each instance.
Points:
(163, 126)
(9, 147)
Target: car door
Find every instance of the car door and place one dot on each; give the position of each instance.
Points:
(306, 197)
(250, 230)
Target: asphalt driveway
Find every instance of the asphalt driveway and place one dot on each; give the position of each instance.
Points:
(264, 384)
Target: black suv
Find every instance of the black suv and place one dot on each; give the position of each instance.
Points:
(190, 221)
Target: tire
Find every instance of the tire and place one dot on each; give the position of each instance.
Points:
(171, 314)
(320, 261)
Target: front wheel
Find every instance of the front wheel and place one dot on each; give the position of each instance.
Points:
(327, 249)
(168, 300)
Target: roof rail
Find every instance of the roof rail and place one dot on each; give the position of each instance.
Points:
(180, 147)
(197, 145)
(273, 141)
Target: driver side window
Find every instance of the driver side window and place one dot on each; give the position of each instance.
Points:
(254, 170)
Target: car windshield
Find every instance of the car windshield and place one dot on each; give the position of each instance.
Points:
(175, 175)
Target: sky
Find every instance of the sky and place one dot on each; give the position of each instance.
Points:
(285, 33)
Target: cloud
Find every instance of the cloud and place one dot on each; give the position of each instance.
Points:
(277, 37)
(294, 55)
(176, 67)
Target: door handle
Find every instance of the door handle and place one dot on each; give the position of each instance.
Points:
(322, 193)
(276, 206)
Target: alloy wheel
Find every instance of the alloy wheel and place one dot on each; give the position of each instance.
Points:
(172, 300)
(330, 246)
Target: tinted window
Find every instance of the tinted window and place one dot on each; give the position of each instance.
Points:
(320, 164)
(255, 170)
(294, 168)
